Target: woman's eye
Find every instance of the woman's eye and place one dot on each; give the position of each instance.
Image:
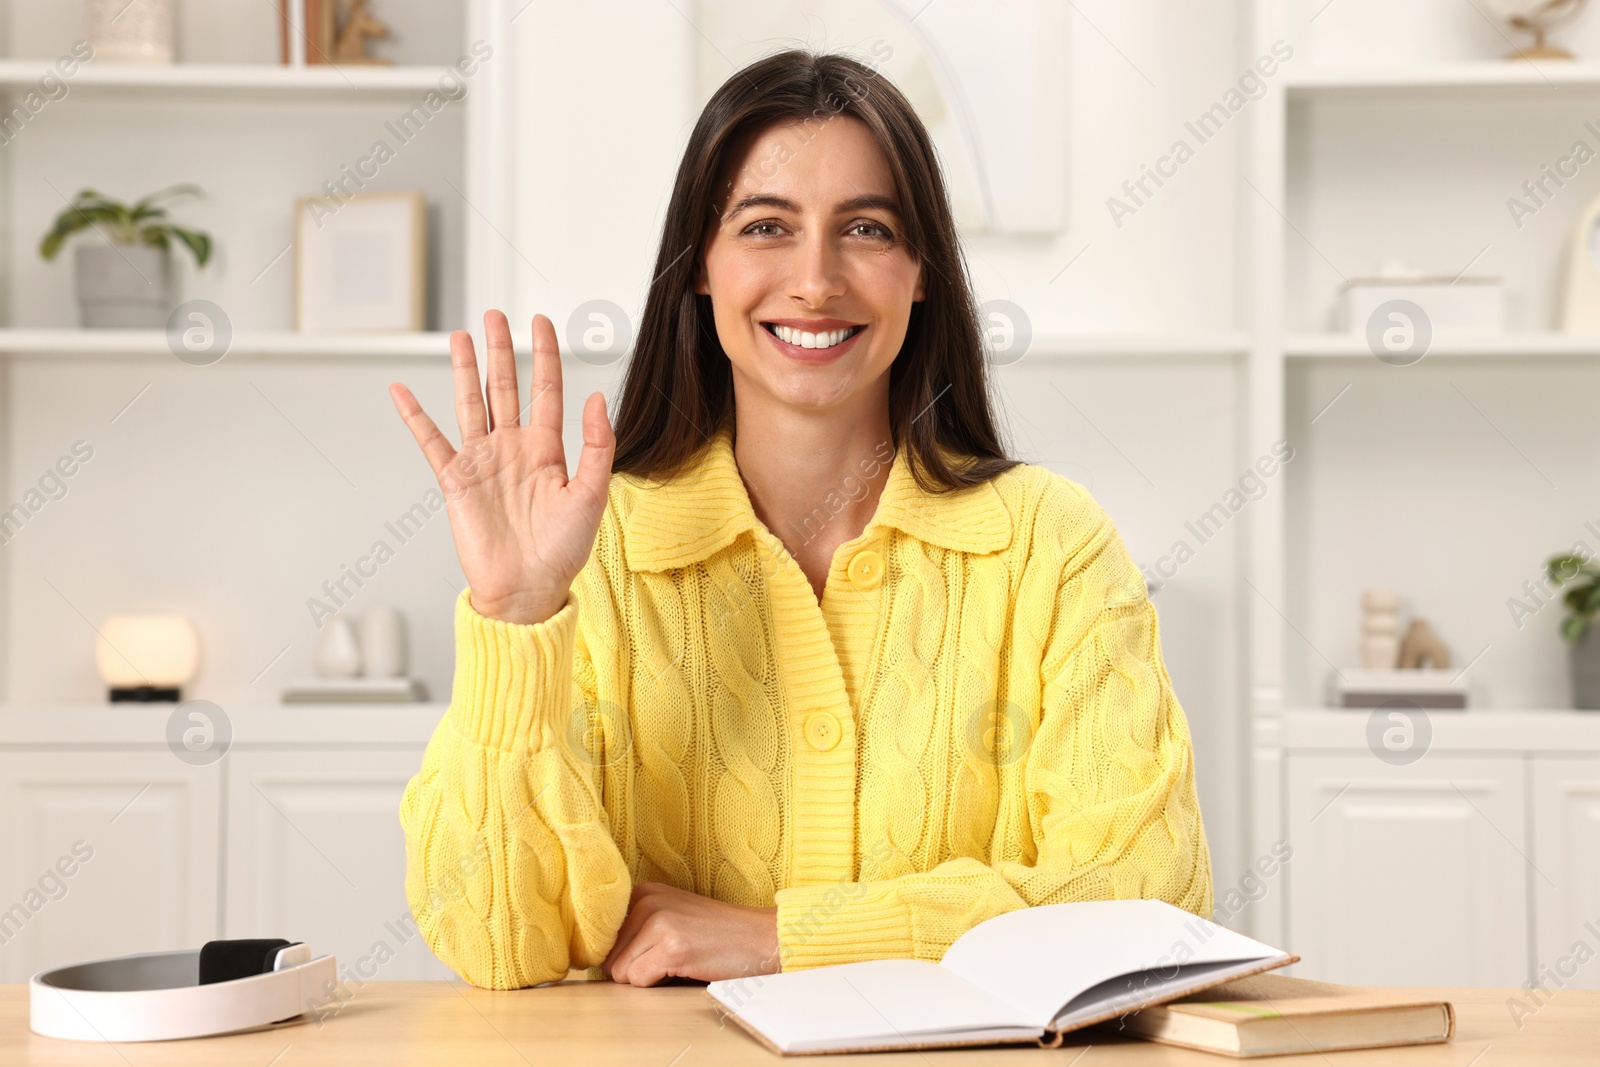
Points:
(755, 226)
(875, 229)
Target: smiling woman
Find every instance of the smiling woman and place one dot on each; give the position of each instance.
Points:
(698, 732)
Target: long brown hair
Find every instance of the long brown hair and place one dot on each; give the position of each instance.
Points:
(678, 390)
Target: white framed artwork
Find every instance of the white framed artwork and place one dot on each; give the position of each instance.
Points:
(359, 262)
(988, 78)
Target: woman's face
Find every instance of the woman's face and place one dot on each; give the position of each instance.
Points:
(810, 278)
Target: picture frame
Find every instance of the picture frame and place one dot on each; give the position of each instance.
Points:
(359, 262)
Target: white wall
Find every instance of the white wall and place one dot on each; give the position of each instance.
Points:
(231, 492)
(593, 181)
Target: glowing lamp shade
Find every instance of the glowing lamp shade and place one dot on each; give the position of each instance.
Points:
(147, 658)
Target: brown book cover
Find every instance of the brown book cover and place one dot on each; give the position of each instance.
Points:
(1272, 1014)
(321, 24)
(320, 18)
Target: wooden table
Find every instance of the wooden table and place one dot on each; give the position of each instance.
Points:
(398, 1023)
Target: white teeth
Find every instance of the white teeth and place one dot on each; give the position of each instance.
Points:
(804, 339)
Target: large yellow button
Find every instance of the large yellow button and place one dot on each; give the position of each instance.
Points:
(822, 730)
(866, 569)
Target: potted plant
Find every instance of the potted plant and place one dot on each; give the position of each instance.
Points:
(1582, 598)
(126, 283)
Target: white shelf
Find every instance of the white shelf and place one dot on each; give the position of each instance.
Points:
(1561, 731)
(1508, 346)
(1486, 74)
(202, 80)
(266, 344)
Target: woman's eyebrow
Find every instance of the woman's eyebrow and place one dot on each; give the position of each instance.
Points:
(865, 202)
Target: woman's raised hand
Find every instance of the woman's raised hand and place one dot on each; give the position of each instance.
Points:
(523, 530)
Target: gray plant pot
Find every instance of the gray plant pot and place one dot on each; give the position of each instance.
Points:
(1586, 669)
(123, 286)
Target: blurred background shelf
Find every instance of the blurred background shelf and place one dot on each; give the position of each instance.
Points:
(237, 80)
(1500, 730)
(260, 344)
(1475, 76)
(1510, 346)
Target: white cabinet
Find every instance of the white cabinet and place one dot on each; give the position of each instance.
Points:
(1566, 848)
(104, 853)
(294, 832)
(1411, 875)
(316, 854)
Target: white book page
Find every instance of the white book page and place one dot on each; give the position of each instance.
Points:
(870, 1003)
(1040, 959)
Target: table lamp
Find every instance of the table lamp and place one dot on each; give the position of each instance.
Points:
(147, 658)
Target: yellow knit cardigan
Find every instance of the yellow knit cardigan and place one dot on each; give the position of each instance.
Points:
(975, 718)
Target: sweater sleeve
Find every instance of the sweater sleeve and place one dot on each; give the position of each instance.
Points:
(511, 870)
(1103, 802)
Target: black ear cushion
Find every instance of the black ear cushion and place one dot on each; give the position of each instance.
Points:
(223, 961)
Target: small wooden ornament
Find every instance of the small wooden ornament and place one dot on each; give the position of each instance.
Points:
(1380, 622)
(356, 27)
(1421, 644)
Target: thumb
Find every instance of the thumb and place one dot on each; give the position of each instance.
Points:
(599, 447)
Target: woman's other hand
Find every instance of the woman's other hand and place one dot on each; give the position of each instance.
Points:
(673, 933)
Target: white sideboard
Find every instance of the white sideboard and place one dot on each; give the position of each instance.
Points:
(1471, 859)
(111, 843)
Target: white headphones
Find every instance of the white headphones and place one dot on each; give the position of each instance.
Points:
(158, 996)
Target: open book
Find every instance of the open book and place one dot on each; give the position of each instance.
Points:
(1027, 976)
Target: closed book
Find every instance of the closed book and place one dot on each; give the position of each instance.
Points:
(1025, 977)
(1271, 1014)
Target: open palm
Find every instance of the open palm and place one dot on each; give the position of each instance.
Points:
(523, 529)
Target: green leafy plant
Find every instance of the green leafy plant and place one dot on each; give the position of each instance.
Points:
(140, 223)
(1582, 579)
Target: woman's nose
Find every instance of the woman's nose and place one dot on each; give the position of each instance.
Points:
(818, 272)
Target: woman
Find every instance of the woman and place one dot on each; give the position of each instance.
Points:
(798, 668)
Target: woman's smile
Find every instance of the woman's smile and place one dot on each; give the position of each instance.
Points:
(813, 340)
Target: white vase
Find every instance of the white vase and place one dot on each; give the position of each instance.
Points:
(338, 654)
(123, 32)
(383, 643)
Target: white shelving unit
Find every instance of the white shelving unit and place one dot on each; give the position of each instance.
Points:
(1446, 867)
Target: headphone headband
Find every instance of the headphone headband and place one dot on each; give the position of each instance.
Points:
(158, 996)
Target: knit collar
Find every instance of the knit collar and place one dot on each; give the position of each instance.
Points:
(685, 519)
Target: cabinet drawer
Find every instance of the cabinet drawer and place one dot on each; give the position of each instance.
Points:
(1409, 875)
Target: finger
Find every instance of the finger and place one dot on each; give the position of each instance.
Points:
(470, 414)
(649, 967)
(599, 447)
(435, 446)
(545, 391)
(502, 370)
(645, 941)
(638, 912)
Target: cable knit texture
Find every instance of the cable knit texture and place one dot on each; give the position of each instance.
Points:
(975, 718)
